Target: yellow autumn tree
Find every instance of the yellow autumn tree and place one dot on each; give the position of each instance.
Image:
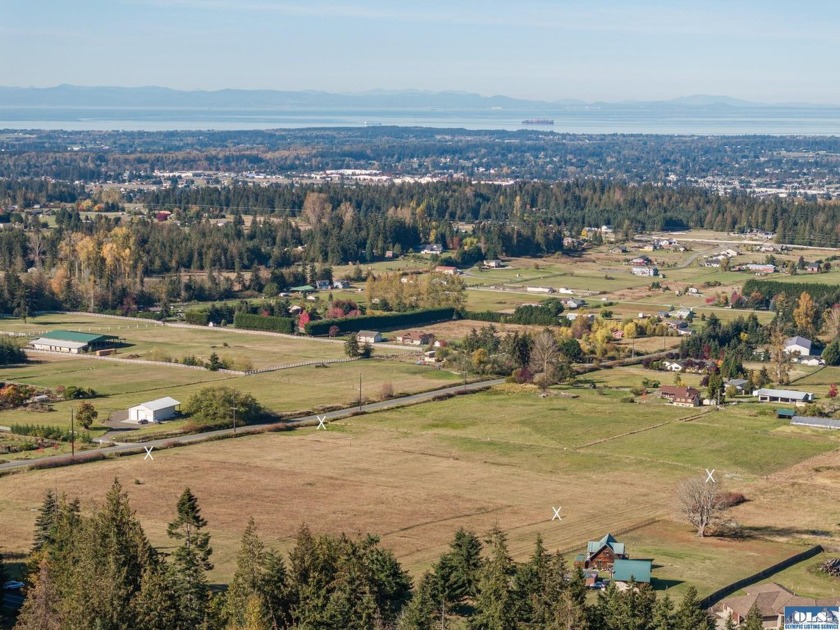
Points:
(805, 314)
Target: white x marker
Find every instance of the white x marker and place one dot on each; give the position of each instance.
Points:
(556, 516)
(321, 424)
(148, 450)
(709, 476)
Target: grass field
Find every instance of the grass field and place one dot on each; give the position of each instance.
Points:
(507, 456)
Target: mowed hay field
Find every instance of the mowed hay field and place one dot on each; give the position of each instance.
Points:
(414, 475)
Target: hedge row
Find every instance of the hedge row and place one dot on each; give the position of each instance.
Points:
(251, 321)
(199, 318)
(485, 316)
(375, 322)
(821, 293)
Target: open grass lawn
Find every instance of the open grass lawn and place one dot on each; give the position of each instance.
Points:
(154, 342)
(805, 580)
(414, 475)
(124, 384)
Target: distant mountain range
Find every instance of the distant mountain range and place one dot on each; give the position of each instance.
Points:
(159, 97)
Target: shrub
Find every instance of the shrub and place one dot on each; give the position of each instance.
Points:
(731, 499)
(628, 399)
(10, 352)
(387, 391)
(214, 406)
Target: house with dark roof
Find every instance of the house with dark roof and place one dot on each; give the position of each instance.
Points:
(601, 554)
(770, 600)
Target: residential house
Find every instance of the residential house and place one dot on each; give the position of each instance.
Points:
(787, 396)
(154, 410)
(641, 261)
(431, 248)
(672, 366)
(644, 271)
(684, 312)
(430, 357)
(341, 284)
(680, 395)
(813, 267)
(323, 285)
(798, 345)
(740, 384)
(636, 570)
(71, 342)
(369, 336)
(771, 600)
(416, 338)
(601, 554)
(450, 271)
(493, 264)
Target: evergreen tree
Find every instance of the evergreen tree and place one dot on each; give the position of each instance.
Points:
(689, 615)
(40, 609)
(730, 624)
(495, 605)
(187, 527)
(422, 612)
(663, 614)
(753, 621)
(258, 585)
(155, 605)
(456, 574)
(45, 522)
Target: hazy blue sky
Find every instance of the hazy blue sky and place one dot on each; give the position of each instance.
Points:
(769, 50)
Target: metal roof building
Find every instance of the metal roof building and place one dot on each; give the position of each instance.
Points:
(71, 341)
(154, 410)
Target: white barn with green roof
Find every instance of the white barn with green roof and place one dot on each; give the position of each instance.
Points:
(71, 341)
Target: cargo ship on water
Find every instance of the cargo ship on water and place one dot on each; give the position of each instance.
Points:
(538, 121)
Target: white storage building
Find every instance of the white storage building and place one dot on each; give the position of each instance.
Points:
(154, 410)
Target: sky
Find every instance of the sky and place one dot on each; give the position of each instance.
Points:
(610, 50)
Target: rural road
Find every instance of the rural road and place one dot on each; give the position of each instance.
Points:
(141, 447)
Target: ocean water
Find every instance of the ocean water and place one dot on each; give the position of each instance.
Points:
(612, 119)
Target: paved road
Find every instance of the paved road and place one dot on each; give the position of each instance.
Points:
(311, 420)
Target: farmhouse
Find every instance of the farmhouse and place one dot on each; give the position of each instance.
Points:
(681, 396)
(770, 599)
(493, 264)
(799, 345)
(739, 384)
(601, 554)
(71, 341)
(341, 284)
(636, 570)
(450, 271)
(323, 285)
(154, 410)
(788, 396)
(645, 271)
(640, 261)
(416, 338)
(369, 336)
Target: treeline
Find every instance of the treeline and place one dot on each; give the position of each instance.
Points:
(99, 570)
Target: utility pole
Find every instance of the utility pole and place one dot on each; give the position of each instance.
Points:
(233, 409)
(360, 391)
(72, 434)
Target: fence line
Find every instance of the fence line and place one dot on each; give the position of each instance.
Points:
(719, 594)
(618, 532)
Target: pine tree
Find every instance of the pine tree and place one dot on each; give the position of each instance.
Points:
(495, 604)
(40, 609)
(422, 612)
(187, 528)
(753, 621)
(45, 521)
(689, 615)
(258, 583)
(730, 624)
(155, 605)
(663, 614)
(456, 574)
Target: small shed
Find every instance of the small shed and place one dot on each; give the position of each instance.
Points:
(154, 410)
